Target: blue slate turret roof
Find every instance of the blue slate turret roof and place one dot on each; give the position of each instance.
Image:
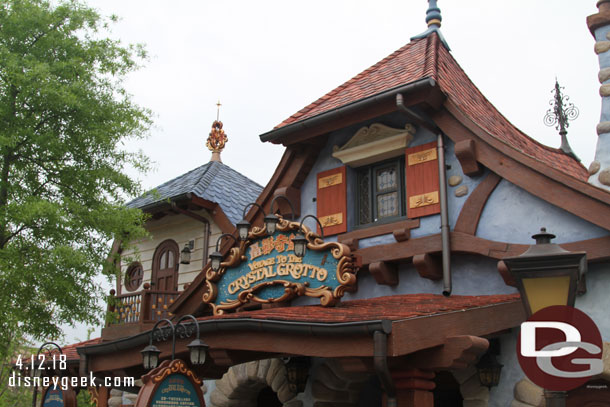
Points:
(213, 181)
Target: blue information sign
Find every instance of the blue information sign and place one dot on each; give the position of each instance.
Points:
(54, 397)
(176, 390)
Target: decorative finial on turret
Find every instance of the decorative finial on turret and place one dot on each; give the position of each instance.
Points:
(217, 138)
(433, 15)
(559, 114)
(433, 19)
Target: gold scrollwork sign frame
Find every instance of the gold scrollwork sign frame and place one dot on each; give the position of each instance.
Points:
(152, 381)
(345, 273)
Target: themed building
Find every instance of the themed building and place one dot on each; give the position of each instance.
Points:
(419, 190)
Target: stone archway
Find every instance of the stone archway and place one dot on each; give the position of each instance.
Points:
(240, 386)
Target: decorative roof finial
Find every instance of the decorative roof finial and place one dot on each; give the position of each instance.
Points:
(217, 138)
(433, 19)
(433, 15)
(559, 114)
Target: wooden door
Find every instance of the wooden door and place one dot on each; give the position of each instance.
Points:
(165, 266)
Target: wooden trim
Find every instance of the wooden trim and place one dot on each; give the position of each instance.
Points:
(536, 177)
(469, 217)
(384, 273)
(413, 335)
(458, 352)
(428, 266)
(397, 228)
(188, 213)
(466, 155)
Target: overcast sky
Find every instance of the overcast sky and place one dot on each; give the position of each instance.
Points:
(267, 59)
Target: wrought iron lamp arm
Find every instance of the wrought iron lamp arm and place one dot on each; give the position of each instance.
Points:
(225, 235)
(285, 198)
(317, 220)
(181, 324)
(163, 336)
(252, 204)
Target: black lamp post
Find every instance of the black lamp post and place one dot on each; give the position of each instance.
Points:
(300, 242)
(36, 371)
(197, 348)
(546, 274)
(216, 257)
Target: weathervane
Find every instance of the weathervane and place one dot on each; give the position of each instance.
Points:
(217, 138)
(559, 114)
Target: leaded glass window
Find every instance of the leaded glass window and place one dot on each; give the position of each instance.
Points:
(380, 192)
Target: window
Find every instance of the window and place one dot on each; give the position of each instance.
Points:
(133, 276)
(380, 192)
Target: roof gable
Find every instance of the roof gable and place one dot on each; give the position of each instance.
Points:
(427, 58)
(213, 181)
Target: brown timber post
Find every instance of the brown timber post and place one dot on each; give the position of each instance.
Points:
(110, 306)
(413, 388)
(146, 304)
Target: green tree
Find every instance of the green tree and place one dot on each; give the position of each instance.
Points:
(64, 119)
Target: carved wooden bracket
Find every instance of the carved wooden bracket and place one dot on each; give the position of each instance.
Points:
(466, 154)
(294, 195)
(428, 266)
(384, 273)
(458, 352)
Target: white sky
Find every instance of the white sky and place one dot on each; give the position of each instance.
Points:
(265, 60)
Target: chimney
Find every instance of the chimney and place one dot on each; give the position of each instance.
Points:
(599, 25)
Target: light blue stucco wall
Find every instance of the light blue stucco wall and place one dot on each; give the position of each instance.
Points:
(514, 215)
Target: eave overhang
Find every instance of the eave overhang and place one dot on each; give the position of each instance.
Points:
(422, 90)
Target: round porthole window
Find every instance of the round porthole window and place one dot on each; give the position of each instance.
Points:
(134, 276)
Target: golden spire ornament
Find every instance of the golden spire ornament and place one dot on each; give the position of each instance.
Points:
(217, 138)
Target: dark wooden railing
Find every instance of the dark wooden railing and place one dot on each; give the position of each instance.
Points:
(140, 307)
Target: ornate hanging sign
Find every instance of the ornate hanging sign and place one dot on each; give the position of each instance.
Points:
(171, 384)
(264, 269)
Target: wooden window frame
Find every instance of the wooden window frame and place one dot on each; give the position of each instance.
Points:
(399, 164)
(129, 286)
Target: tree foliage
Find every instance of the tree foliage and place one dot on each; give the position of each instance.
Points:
(64, 118)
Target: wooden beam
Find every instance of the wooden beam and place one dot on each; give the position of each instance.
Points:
(412, 335)
(384, 273)
(469, 217)
(400, 230)
(458, 352)
(428, 266)
(466, 155)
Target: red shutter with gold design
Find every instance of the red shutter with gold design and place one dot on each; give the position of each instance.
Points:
(332, 201)
(421, 167)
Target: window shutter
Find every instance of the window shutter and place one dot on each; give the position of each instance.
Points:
(421, 167)
(332, 201)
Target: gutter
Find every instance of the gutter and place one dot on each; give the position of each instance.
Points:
(380, 359)
(346, 110)
(442, 180)
(252, 325)
(165, 202)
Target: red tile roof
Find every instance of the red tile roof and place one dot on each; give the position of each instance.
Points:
(426, 58)
(70, 350)
(394, 308)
